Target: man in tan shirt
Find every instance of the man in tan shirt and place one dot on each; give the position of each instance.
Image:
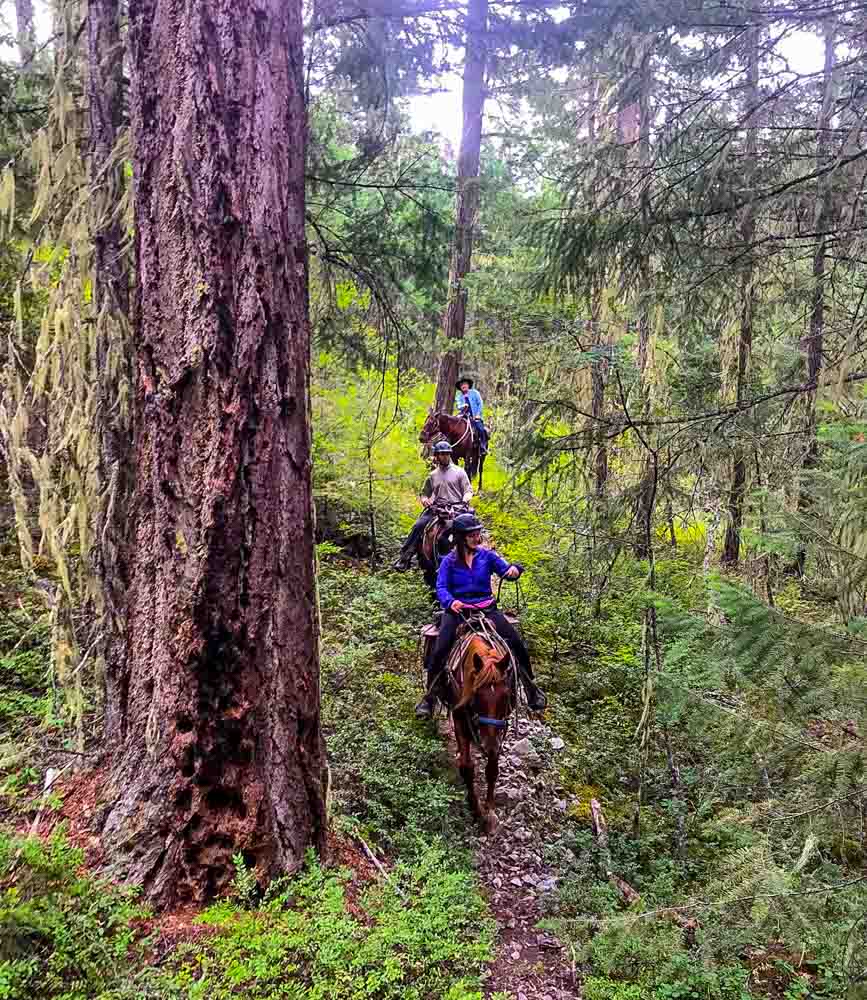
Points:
(447, 483)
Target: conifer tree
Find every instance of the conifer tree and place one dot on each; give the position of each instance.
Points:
(466, 201)
(219, 711)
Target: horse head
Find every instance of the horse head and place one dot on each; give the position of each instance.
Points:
(486, 690)
(430, 428)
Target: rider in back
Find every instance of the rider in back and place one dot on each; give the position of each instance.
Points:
(468, 402)
(464, 584)
(448, 483)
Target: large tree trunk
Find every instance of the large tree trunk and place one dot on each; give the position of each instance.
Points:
(467, 202)
(222, 744)
(113, 347)
(822, 217)
(26, 34)
(738, 483)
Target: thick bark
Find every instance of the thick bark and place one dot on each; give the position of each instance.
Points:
(466, 204)
(113, 348)
(738, 484)
(822, 218)
(222, 744)
(26, 34)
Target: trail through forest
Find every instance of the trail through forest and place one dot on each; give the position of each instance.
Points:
(532, 809)
(236, 276)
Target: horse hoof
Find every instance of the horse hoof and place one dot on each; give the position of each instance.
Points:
(490, 823)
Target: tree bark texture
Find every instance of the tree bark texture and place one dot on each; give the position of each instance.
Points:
(26, 34)
(823, 215)
(222, 742)
(113, 348)
(738, 483)
(466, 204)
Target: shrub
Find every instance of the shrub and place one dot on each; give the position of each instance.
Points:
(62, 936)
(422, 934)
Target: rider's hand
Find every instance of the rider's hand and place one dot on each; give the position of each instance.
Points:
(426, 501)
(512, 573)
(457, 606)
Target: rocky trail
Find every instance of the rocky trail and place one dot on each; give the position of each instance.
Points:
(532, 808)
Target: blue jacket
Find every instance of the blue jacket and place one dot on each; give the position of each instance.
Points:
(472, 586)
(475, 402)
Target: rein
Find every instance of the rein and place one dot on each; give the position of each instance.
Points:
(467, 430)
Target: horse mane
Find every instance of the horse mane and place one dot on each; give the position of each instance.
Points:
(481, 666)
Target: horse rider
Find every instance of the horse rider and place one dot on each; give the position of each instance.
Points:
(447, 482)
(468, 402)
(464, 584)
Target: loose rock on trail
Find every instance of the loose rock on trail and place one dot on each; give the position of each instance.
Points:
(531, 807)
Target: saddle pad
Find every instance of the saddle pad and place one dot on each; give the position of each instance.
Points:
(459, 651)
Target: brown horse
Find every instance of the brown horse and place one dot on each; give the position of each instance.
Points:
(461, 435)
(486, 697)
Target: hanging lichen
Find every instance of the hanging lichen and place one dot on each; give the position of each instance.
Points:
(76, 384)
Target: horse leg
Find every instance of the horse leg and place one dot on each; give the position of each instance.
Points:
(492, 772)
(481, 469)
(465, 766)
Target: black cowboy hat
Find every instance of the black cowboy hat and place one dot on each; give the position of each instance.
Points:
(464, 378)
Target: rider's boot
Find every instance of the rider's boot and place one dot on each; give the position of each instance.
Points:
(425, 708)
(403, 562)
(536, 700)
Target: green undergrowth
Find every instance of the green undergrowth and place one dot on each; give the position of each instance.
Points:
(392, 779)
(421, 934)
(27, 703)
(63, 935)
(424, 934)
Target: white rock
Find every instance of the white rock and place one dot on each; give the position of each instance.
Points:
(557, 743)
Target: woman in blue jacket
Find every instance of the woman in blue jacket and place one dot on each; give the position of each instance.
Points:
(464, 584)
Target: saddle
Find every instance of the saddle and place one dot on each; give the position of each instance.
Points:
(432, 534)
(455, 662)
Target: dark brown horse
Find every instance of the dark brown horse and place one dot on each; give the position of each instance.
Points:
(485, 699)
(461, 435)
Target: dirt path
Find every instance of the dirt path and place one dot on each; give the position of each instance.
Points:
(532, 809)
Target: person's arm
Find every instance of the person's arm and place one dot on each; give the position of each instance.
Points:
(426, 498)
(501, 567)
(479, 404)
(444, 595)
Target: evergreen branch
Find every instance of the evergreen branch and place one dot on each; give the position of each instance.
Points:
(693, 907)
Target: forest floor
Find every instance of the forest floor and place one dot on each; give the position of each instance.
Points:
(410, 884)
(532, 808)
